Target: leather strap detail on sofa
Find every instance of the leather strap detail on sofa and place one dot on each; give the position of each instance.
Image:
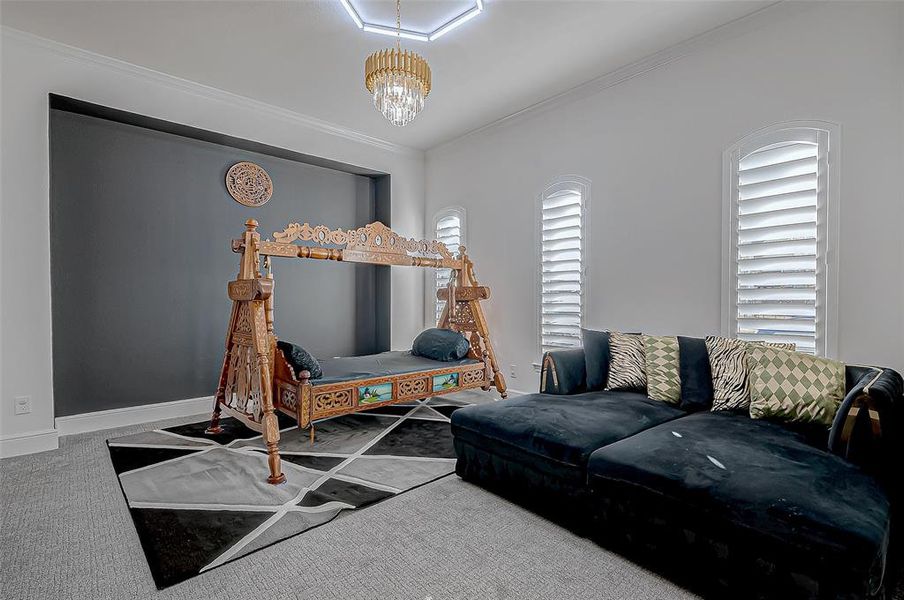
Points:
(862, 400)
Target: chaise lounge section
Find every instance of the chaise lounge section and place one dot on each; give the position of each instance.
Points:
(718, 500)
(535, 448)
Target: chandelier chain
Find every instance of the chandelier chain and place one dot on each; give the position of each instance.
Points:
(398, 9)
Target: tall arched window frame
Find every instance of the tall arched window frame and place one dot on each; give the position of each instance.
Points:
(450, 228)
(780, 224)
(563, 212)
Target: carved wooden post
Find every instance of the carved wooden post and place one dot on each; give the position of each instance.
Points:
(481, 323)
(463, 313)
(262, 344)
(269, 306)
(303, 402)
(246, 381)
(220, 396)
(214, 427)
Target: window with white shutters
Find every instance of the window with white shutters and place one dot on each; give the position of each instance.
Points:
(562, 263)
(448, 228)
(779, 238)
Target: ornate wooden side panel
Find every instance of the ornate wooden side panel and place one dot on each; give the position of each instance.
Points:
(363, 394)
(243, 389)
(414, 387)
(332, 402)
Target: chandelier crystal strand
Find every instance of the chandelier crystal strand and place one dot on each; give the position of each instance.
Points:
(399, 80)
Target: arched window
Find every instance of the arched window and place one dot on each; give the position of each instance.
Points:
(448, 228)
(563, 246)
(779, 266)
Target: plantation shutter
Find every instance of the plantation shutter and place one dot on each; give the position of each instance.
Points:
(779, 280)
(562, 269)
(448, 231)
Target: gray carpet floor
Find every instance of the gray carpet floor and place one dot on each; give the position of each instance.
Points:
(65, 532)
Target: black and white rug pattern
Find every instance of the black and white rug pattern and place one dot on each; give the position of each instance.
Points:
(199, 501)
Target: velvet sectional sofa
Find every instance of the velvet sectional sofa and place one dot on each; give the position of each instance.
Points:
(729, 505)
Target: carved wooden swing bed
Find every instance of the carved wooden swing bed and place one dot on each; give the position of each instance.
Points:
(256, 379)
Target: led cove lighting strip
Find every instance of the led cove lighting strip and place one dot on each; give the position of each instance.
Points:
(463, 18)
(352, 13)
(393, 32)
(407, 33)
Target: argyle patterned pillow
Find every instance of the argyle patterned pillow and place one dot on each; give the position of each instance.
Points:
(728, 363)
(626, 363)
(662, 367)
(794, 387)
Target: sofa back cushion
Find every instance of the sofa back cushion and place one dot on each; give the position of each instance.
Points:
(596, 358)
(794, 387)
(694, 370)
(627, 366)
(695, 373)
(661, 362)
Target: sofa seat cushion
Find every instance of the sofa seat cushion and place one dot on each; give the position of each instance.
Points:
(556, 434)
(755, 476)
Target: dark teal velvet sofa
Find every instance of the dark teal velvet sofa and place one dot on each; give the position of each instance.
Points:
(724, 504)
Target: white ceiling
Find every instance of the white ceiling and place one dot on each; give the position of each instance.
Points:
(308, 56)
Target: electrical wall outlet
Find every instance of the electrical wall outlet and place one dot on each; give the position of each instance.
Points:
(513, 371)
(23, 405)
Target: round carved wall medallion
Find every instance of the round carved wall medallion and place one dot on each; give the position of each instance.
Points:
(249, 184)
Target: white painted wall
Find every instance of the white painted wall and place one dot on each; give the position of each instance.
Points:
(652, 146)
(32, 68)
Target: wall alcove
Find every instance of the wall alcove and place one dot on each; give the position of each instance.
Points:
(141, 224)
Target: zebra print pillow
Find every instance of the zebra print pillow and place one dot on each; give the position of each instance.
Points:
(627, 370)
(728, 362)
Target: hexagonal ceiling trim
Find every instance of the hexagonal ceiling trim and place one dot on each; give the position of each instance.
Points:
(420, 36)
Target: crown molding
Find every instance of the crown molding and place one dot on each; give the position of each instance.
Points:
(767, 15)
(243, 102)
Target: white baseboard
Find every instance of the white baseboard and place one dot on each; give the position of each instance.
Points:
(29, 443)
(133, 415)
(41, 441)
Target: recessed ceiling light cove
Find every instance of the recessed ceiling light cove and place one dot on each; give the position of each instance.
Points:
(420, 36)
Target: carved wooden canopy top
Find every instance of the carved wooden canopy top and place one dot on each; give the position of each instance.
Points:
(373, 237)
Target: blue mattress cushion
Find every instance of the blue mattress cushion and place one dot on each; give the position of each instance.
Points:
(755, 478)
(556, 434)
(384, 364)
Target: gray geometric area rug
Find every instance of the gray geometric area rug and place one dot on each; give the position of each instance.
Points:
(199, 501)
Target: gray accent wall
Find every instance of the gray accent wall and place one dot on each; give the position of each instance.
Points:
(141, 225)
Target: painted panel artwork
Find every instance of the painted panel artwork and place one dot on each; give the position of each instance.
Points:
(372, 394)
(445, 382)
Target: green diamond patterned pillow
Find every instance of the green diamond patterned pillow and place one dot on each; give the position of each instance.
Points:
(662, 366)
(794, 387)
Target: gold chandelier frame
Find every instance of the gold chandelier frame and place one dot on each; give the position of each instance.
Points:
(395, 61)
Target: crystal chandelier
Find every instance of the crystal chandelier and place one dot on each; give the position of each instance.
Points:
(399, 80)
